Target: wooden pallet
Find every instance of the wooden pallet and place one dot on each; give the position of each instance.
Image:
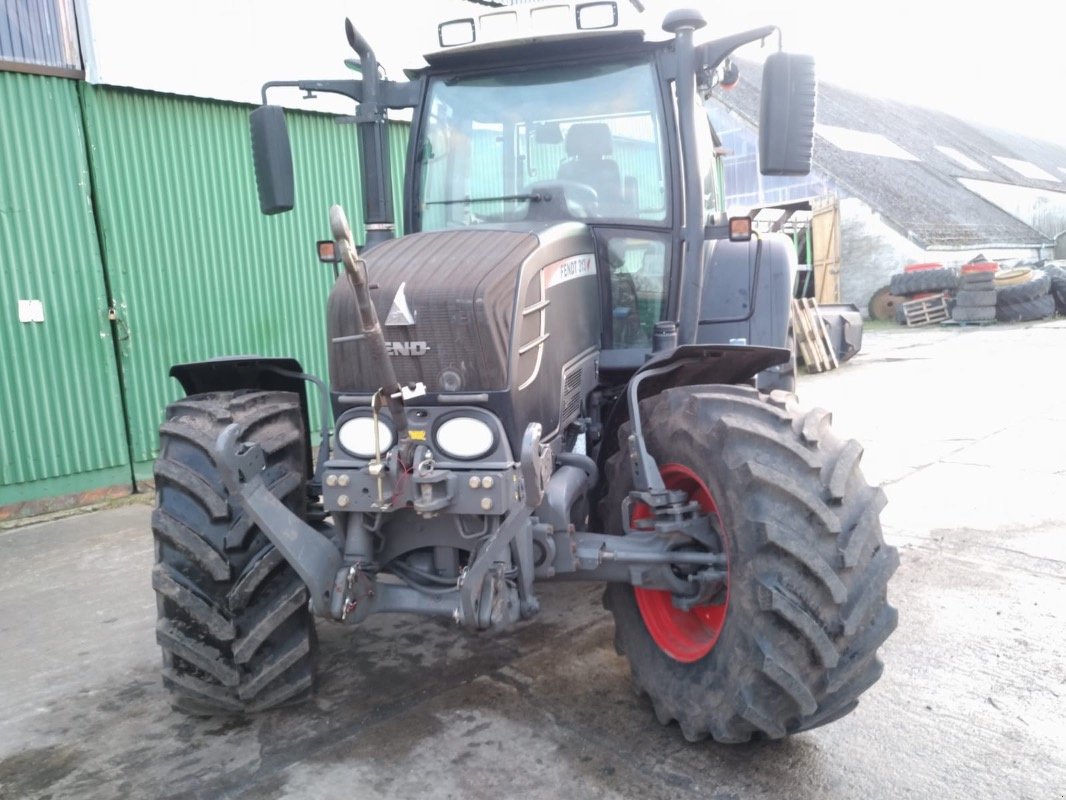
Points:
(927, 311)
(812, 336)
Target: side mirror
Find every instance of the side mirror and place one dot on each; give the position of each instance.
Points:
(786, 118)
(272, 157)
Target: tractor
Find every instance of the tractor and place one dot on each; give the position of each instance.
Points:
(572, 366)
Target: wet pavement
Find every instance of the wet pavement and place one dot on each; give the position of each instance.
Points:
(965, 429)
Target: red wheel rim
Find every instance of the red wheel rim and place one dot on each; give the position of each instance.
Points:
(685, 636)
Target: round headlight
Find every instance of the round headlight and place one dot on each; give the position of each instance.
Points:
(356, 436)
(464, 437)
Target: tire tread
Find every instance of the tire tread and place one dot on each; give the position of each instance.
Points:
(802, 632)
(234, 625)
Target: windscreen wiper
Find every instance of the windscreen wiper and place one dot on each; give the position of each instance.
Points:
(534, 197)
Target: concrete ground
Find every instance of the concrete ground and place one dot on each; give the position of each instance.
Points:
(965, 429)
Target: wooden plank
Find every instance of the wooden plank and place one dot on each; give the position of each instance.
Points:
(799, 329)
(823, 335)
(825, 250)
(926, 311)
(811, 340)
(808, 334)
(824, 346)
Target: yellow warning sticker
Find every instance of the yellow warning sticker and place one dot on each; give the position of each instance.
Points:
(418, 436)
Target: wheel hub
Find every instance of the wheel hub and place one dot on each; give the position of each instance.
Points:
(685, 636)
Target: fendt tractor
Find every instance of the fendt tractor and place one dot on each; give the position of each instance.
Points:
(571, 367)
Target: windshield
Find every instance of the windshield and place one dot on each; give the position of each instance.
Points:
(575, 142)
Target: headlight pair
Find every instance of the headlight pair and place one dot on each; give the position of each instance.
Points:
(459, 437)
(355, 436)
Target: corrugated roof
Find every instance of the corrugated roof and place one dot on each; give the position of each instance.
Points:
(921, 198)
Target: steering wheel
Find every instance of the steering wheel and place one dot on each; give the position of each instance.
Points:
(581, 199)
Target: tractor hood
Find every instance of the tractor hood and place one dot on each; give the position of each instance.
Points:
(448, 303)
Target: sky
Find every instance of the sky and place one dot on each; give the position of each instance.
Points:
(1004, 68)
(1002, 64)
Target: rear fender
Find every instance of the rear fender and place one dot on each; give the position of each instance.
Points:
(741, 302)
(245, 372)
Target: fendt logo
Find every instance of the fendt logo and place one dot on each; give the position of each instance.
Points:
(407, 348)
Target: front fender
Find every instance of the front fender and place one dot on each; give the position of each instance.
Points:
(231, 373)
(696, 364)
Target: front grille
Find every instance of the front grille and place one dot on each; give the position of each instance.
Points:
(571, 395)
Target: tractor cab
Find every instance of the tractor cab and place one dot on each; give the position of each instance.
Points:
(557, 113)
(536, 138)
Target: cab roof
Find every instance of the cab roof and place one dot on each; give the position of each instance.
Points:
(535, 48)
(539, 31)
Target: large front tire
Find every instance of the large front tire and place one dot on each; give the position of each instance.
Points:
(806, 609)
(234, 624)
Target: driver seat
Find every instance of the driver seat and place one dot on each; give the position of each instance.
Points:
(588, 145)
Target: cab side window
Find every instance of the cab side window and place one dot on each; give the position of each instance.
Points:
(637, 286)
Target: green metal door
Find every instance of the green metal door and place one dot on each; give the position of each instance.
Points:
(195, 270)
(61, 423)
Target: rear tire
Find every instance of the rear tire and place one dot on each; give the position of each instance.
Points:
(974, 313)
(1034, 284)
(808, 568)
(975, 298)
(1057, 274)
(1026, 310)
(927, 280)
(233, 618)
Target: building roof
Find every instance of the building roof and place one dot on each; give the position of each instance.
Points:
(905, 162)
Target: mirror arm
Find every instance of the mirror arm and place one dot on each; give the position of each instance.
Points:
(401, 94)
(348, 88)
(711, 54)
(404, 94)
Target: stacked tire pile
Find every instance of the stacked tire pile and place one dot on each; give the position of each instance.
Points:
(975, 300)
(1056, 271)
(921, 281)
(1023, 294)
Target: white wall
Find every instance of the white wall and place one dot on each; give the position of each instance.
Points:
(870, 251)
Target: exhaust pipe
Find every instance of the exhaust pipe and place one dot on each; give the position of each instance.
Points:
(369, 327)
(372, 127)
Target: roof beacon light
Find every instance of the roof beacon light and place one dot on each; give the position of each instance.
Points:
(548, 19)
(530, 21)
(499, 24)
(730, 74)
(596, 16)
(456, 32)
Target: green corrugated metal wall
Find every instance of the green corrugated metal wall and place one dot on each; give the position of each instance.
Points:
(399, 133)
(163, 213)
(196, 271)
(61, 427)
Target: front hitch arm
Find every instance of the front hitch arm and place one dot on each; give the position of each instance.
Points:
(315, 559)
